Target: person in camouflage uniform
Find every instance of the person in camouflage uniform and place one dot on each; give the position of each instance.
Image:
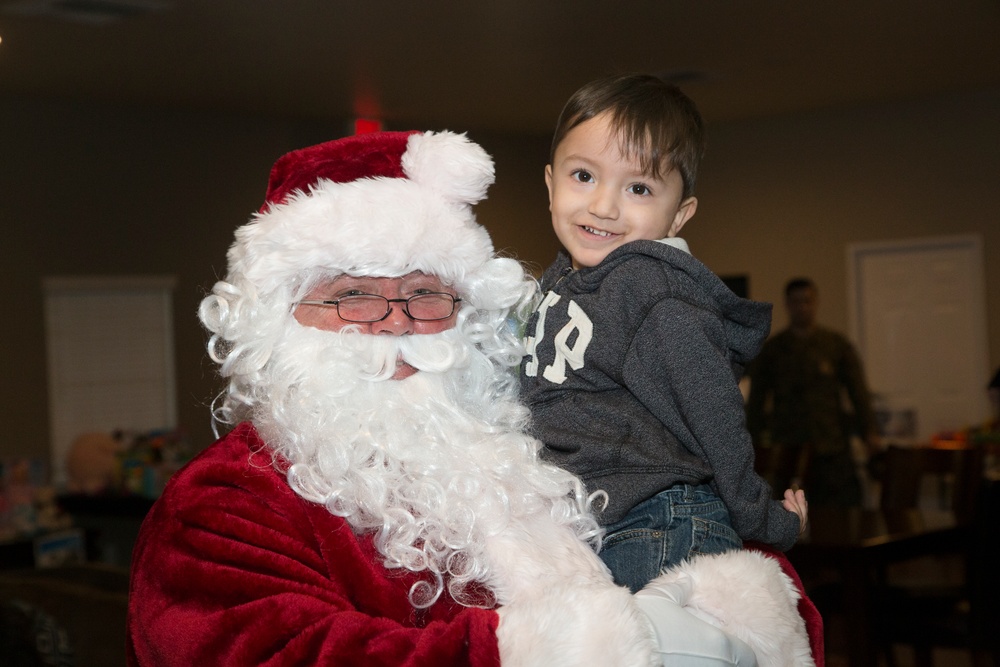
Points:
(808, 397)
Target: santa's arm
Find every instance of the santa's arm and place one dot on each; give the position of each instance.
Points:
(224, 577)
(606, 625)
(562, 609)
(752, 597)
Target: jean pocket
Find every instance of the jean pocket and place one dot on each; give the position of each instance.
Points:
(634, 556)
(713, 537)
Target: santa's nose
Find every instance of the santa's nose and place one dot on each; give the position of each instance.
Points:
(396, 323)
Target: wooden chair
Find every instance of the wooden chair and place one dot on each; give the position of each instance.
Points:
(925, 614)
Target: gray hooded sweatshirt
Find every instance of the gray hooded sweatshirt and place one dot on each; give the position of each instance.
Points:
(632, 380)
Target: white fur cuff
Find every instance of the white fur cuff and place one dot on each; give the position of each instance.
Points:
(746, 594)
(576, 626)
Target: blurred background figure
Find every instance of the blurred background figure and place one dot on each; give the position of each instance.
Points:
(808, 397)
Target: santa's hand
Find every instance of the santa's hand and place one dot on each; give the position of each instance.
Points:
(685, 640)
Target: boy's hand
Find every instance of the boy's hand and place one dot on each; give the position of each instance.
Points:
(795, 501)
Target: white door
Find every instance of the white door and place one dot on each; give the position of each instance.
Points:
(918, 316)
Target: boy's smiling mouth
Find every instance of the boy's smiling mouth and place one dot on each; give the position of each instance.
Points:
(597, 232)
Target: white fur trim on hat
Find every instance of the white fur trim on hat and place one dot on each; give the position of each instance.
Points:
(375, 226)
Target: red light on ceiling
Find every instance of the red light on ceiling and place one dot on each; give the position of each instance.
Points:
(367, 125)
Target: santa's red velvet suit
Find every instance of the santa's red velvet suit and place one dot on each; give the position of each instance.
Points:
(234, 568)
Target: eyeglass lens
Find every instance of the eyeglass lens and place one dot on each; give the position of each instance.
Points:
(372, 308)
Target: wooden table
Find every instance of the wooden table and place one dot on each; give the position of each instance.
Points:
(859, 544)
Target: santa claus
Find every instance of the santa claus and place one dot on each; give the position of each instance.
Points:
(378, 500)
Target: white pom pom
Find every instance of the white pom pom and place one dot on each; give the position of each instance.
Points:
(449, 164)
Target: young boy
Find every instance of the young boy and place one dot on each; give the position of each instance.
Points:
(635, 350)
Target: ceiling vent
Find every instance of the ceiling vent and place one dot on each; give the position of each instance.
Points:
(92, 12)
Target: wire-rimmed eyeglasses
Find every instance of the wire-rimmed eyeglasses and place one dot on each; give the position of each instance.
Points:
(367, 308)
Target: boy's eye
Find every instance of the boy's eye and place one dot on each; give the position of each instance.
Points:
(582, 175)
(639, 189)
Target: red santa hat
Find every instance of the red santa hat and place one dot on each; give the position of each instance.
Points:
(380, 204)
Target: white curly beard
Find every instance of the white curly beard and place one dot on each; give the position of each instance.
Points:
(433, 464)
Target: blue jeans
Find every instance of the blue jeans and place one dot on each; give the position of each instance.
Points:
(660, 532)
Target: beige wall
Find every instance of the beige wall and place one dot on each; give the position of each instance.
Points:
(785, 197)
(95, 190)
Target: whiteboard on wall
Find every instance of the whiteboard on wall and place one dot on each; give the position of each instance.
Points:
(110, 358)
(918, 316)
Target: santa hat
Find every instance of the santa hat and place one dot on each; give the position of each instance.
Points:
(380, 204)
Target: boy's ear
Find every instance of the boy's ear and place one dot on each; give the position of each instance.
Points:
(684, 213)
(548, 182)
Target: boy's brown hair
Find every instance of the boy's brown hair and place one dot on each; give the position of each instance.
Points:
(655, 122)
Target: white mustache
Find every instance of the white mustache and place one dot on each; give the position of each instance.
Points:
(379, 355)
(434, 353)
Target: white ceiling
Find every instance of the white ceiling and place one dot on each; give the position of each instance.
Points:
(505, 65)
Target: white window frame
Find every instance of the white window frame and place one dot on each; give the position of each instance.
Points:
(110, 349)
